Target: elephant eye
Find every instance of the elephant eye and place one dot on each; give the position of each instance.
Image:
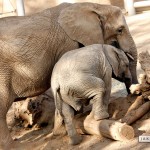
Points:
(120, 30)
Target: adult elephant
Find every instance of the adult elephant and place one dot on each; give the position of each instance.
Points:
(31, 45)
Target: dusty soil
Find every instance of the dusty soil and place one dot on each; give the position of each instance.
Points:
(140, 28)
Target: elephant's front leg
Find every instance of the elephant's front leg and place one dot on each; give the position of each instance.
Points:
(5, 138)
(7, 96)
(68, 114)
(6, 141)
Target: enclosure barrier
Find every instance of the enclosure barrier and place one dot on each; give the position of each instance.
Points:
(20, 7)
(130, 6)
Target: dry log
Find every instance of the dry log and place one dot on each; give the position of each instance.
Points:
(107, 128)
(137, 103)
(146, 95)
(144, 86)
(134, 115)
(138, 109)
(144, 59)
(36, 111)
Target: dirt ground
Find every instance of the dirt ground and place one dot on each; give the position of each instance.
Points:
(140, 28)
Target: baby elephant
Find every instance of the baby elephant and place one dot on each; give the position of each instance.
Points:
(83, 75)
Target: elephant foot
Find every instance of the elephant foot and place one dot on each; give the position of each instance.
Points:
(74, 140)
(101, 115)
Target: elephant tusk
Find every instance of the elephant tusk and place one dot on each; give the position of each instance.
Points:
(129, 55)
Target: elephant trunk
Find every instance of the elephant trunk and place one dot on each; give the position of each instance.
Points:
(127, 44)
(133, 63)
(128, 83)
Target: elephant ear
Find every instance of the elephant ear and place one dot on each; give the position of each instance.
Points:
(113, 58)
(82, 23)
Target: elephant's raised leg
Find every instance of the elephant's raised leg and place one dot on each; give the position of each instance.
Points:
(99, 108)
(98, 92)
(101, 98)
(68, 114)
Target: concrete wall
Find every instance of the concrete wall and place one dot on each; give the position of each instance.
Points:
(8, 8)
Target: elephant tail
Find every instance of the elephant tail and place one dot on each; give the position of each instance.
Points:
(58, 121)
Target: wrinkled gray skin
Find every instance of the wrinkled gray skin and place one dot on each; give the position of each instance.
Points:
(82, 75)
(31, 45)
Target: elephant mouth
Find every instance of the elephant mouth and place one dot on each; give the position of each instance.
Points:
(126, 80)
(117, 77)
(121, 78)
(115, 44)
(80, 45)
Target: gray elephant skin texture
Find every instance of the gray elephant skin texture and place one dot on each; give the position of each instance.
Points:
(85, 75)
(31, 45)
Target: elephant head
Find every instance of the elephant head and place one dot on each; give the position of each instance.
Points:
(89, 23)
(120, 65)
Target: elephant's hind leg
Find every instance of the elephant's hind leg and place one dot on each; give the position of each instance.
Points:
(68, 114)
(99, 107)
(94, 89)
